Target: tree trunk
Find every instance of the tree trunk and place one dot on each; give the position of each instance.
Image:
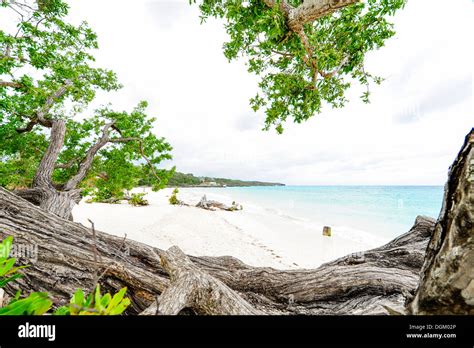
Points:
(365, 283)
(60, 203)
(447, 281)
(43, 192)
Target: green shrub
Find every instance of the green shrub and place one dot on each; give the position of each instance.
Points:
(174, 199)
(105, 194)
(137, 200)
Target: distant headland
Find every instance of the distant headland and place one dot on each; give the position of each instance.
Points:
(189, 180)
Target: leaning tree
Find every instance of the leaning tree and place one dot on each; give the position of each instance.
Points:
(48, 78)
(306, 52)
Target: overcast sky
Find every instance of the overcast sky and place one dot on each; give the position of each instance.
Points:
(409, 134)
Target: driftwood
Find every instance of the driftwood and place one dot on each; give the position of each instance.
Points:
(379, 281)
(65, 261)
(204, 203)
(195, 289)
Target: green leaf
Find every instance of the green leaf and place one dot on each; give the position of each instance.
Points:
(36, 303)
(116, 299)
(63, 310)
(7, 266)
(4, 282)
(78, 298)
(105, 300)
(97, 299)
(5, 248)
(121, 307)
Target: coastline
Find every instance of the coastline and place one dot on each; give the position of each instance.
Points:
(259, 236)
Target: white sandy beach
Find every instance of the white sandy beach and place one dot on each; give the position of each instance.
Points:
(257, 235)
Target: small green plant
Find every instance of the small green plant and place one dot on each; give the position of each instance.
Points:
(8, 271)
(106, 195)
(95, 303)
(36, 303)
(39, 303)
(174, 199)
(137, 200)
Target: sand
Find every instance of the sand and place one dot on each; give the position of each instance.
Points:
(259, 236)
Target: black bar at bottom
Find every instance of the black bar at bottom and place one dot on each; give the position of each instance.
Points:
(449, 331)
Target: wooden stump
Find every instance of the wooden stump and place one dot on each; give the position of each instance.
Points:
(327, 231)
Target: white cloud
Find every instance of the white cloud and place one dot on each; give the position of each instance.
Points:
(409, 134)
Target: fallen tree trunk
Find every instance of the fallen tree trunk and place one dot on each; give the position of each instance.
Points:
(362, 283)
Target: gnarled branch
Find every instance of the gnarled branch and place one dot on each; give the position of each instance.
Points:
(39, 115)
(86, 163)
(311, 10)
(46, 167)
(193, 288)
(67, 165)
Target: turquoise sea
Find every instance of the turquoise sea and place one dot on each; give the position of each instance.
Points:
(385, 211)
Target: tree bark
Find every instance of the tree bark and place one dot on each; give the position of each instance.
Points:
(195, 289)
(48, 162)
(366, 283)
(43, 192)
(447, 281)
(311, 10)
(308, 11)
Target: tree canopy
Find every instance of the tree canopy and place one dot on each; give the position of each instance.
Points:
(48, 77)
(306, 53)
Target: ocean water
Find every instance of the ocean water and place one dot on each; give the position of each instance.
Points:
(384, 211)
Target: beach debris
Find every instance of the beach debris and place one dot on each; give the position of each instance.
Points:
(134, 199)
(327, 231)
(204, 203)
